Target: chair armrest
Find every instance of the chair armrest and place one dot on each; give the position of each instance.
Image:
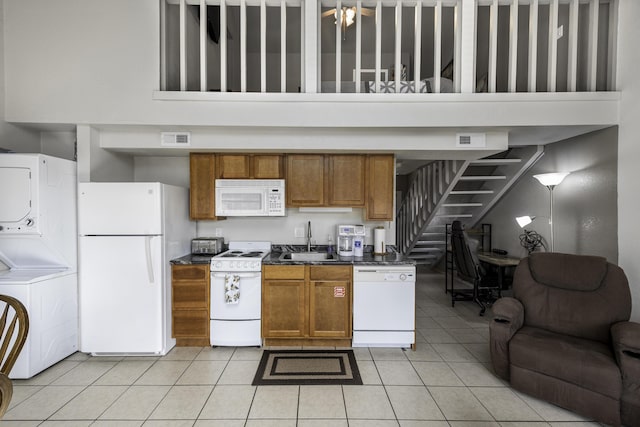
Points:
(508, 318)
(626, 344)
(625, 337)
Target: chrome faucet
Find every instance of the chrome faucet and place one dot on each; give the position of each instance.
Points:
(309, 237)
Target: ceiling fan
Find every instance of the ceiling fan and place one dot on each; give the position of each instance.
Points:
(348, 15)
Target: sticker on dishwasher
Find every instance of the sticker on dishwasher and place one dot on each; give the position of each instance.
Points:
(339, 291)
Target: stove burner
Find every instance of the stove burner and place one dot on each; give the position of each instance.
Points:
(236, 252)
(252, 254)
(228, 255)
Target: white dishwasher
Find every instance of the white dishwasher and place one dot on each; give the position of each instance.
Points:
(384, 305)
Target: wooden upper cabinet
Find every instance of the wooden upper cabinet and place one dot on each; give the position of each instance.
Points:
(268, 166)
(202, 175)
(380, 187)
(234, 166)
(246, 166)
(306, 180)
(347, 180)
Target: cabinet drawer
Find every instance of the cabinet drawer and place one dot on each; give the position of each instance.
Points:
(342, 272)
(190, 323)
(284, 272)
(190, 295)
(190, 272)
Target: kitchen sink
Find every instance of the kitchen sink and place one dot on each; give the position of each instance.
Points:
(308, 256)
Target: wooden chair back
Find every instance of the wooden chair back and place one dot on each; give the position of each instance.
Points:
(14, 326)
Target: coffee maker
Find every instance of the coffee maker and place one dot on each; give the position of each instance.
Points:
(351, 240)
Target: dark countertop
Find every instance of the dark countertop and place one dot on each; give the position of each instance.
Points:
(369, 258)
(192, 259)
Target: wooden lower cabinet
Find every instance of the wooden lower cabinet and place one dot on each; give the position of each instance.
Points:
(190, 304)
(307, 305)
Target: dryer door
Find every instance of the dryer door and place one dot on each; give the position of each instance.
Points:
(16, 207)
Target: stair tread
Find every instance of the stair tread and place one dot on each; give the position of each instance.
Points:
(482, 177)
(467, 215)
(494, 162)
(456, 205)
(422, 256)
(458, 192)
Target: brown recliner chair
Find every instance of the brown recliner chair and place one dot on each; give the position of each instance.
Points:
(565, 337)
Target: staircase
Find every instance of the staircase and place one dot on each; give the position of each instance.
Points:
(448, 190)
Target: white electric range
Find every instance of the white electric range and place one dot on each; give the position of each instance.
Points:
(236, 294)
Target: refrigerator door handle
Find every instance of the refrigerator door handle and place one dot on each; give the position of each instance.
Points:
(149, 259)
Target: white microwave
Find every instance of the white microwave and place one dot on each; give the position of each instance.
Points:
(250, 197)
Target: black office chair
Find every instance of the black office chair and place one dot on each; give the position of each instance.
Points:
(470, 270)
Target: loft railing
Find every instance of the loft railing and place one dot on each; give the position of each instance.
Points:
(436, 45)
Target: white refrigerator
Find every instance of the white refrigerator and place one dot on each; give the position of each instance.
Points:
(128, 234)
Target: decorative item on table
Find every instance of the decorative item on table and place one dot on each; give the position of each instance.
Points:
(529, 239)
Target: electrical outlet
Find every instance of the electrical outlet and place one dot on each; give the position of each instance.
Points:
(367, 231)
(218, 232)
(298, 232)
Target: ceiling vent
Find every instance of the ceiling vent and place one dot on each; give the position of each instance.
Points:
(175, 139)
(471, 140)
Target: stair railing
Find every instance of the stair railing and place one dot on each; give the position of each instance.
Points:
(428, 188)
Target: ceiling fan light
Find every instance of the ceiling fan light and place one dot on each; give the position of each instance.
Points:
(348, 16)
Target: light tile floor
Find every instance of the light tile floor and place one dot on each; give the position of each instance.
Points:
(447, 381)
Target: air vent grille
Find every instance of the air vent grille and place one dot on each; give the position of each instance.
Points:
(175, 139)
(471, 140)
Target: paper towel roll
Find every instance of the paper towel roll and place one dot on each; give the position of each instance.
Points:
(379, 241)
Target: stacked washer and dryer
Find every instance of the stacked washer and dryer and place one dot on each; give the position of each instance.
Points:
(38, 254)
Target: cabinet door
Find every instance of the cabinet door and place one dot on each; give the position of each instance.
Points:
(305, 180)
(380, 179)
(346, 180)
(330, 309)
(283, 309)
(190, 303)
(191, 324)
(233, 166)
(202, 175)
(267, 166)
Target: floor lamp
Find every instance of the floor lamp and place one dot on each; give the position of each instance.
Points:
(550, 180)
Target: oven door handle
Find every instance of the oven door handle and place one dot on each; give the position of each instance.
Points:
(241, 275)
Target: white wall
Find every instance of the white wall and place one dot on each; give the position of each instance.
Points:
(98, 165)
(281, 230)
(585, 203)
(83, 68)
(12, 137)
(59, 144)
(628, 147)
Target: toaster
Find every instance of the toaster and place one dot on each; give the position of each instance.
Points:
(207, 245)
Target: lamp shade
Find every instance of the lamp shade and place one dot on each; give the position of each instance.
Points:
(524, 220)
(551, 179)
